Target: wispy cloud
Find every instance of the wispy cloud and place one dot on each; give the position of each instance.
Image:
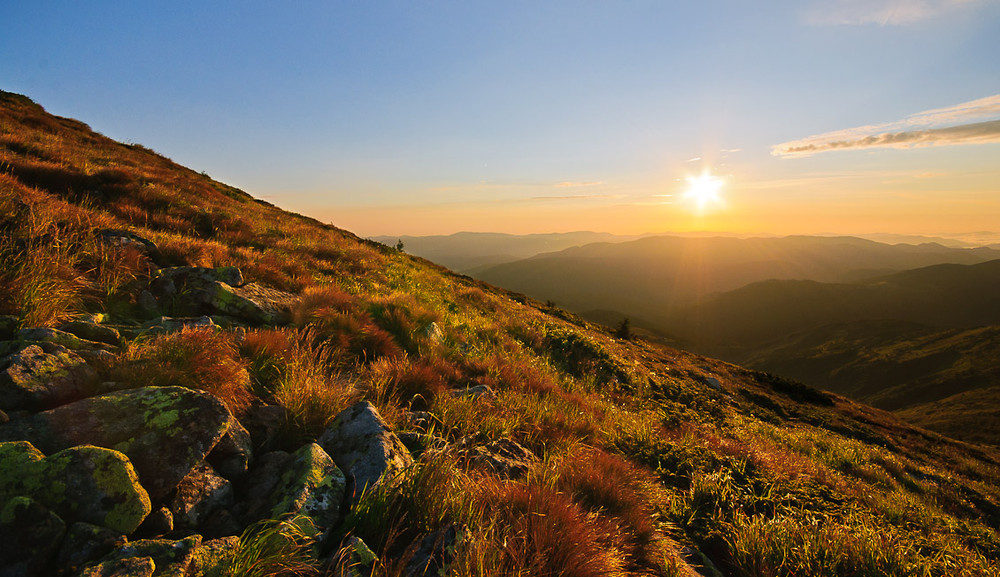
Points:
(881, 12)
(571, 184)
(974, 122)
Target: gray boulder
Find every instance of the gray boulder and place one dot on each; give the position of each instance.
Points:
(93, 332)
(362, 444)
(164, 431)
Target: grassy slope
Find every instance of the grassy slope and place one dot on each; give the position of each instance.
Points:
(642, 446)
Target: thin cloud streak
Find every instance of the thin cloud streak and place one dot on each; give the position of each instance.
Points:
(974, 122)
(882, 12)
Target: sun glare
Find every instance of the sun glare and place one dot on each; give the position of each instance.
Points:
(704, 191)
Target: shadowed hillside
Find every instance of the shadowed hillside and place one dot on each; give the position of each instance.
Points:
(199, 383)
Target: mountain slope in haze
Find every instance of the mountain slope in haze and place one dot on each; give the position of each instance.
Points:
(540, 444)
(946, 295)
(653, 277)
(469, 252)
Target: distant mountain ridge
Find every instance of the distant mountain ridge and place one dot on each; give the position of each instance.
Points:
(470, 251)
(655, 276)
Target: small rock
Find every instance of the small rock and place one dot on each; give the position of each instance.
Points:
(171, 324)
(435, 552)
(68, 340)
(93, 332)
(713, 383)
(362, 444)
(30, 535)
(124, 238)
(354, 559)
(434, 333)
(481, 392)
(198, 495)
(505, 457)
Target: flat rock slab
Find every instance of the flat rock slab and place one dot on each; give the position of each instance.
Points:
(87, 483)
(364, 446)
(164, 431)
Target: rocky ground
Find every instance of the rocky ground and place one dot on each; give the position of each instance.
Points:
(115, 478)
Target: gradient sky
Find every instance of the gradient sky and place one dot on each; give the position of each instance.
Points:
(433, 117)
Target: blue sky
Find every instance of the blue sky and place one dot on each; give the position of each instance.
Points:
(434, 117)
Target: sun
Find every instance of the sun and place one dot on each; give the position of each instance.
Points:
(703, 191)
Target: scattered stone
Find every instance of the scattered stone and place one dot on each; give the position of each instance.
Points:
(256, 302)
(66, 339)
(129, 567)
(85, 483)
(479, 392)
(170, 558)
(34, 378)
(354, 559)
(435, 552)
(164, 431)
(93, 332)
(423, 421)
(434, 333)
(198, 495)
(504, 457)
(233, 453)
(312, 485)
(124, 238)
(172, 324)
(364, 447)
(174, 281)
(85, 543)
(30, 535)
(713, 383)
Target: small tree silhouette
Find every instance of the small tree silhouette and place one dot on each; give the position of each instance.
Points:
(399, 245)
(624, 330)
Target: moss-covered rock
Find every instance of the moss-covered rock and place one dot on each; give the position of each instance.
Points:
(311, 485)
(34, 378)
(30, 534)
(86, 483)
(209, 558)
(164, 431)
(170, 558)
